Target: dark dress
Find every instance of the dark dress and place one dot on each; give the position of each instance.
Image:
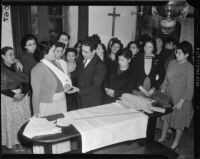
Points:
(156, 75)
(167, 56)
(90, 81)
(28, 60)
(120, 81)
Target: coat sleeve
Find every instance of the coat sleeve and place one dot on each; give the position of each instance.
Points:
(97, 80)
(4, 90)
(36, 82)
(139, 73)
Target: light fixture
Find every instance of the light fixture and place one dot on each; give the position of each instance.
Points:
(169, 14)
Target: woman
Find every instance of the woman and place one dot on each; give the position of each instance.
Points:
(102, 53)
(110, 43)
(115, 46)
(49, 83)
(15, 103)
(149, 76)
(64, 38)
(134, 47)
(179, 86)
(29, 59)
(119, 80)
(159, 50)
(70, 57)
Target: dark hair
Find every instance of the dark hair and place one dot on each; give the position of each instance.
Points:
(91, 43)
(110, 41)
(71, 50)
(171, 39)
(96, 38)
(105, 55)
(186, 47)
(77, 43)
(59, 44)
(151, 40)
(116, 41)
(144, 38)
(64, 33)
(45, 47)
(4, 50)
(26, 38)
(126, 53)
(133, 42)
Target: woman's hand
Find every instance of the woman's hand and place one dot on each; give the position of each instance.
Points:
(67, 87)
(110, 92)
(178, 105)
(151, 91)
(18, 97)
(18, 65)
(144, 91)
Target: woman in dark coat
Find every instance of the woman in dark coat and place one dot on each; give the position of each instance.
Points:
(150, 73)
(120, 79)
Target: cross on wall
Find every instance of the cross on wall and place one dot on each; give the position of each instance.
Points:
(114, 15)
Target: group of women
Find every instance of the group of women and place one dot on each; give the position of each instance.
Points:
(43, 74)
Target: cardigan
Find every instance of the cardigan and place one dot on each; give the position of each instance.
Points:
(44, 84)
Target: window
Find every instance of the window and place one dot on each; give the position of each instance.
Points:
(49, 21)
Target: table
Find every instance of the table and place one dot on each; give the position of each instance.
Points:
(70, 133)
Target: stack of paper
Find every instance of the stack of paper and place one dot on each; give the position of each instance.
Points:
(139, 103)
(40, 126)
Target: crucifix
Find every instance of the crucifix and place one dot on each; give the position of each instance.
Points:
(114, 15)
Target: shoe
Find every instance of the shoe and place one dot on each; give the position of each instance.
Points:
(170, 134)
(162, 142)
(18, 148)
(174, 149)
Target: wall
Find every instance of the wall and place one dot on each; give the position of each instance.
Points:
(100, 23)
(187, 30)
(73, 24)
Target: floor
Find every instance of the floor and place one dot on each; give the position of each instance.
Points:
(185, 149)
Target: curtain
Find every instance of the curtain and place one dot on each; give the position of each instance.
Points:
(21, 25)
(83, 19)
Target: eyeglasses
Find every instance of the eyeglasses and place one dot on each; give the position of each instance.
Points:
(86, 52)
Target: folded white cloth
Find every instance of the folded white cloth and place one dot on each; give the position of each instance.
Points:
(40, 126)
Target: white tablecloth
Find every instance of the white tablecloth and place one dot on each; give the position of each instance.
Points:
(107, 124)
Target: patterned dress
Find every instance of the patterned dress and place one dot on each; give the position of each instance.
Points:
(13, 114)
(179, 84)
